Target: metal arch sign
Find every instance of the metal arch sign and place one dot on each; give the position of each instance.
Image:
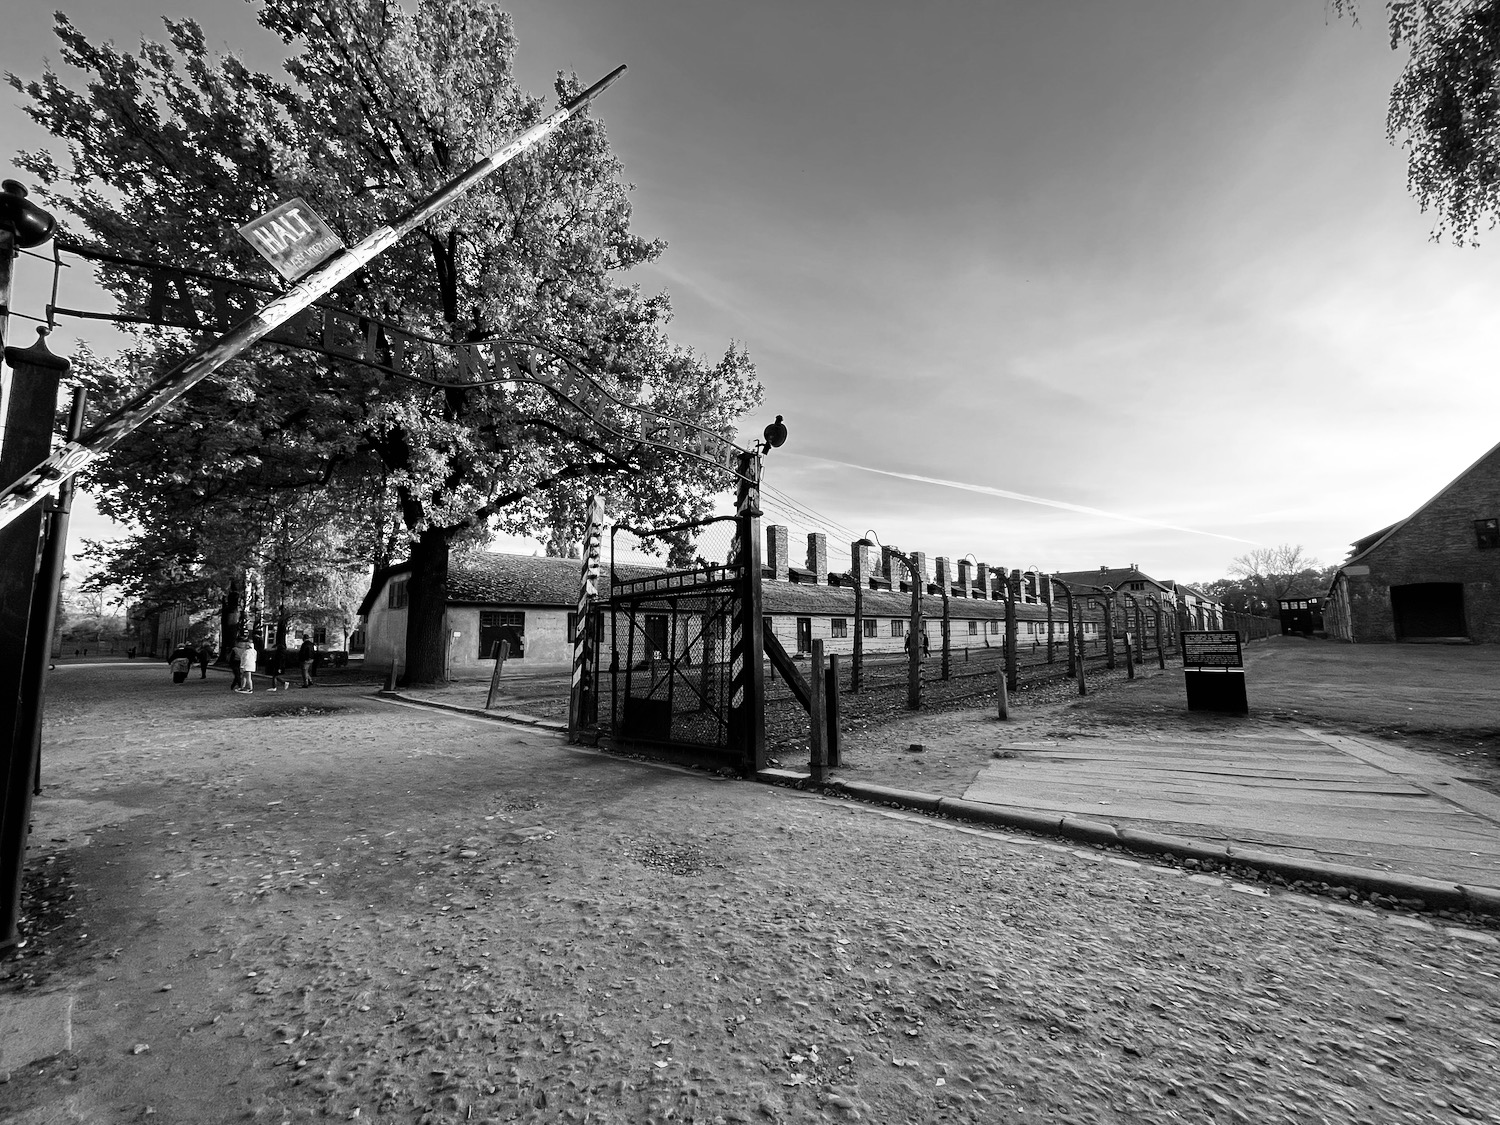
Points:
(199, 301)
(293, 238)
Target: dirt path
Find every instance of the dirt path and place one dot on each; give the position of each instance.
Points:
(291, 907)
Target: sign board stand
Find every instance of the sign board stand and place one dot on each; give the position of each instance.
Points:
(1213, 665)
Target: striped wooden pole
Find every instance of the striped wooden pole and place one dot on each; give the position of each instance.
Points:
(581, 705)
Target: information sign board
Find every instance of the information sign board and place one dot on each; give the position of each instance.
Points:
(293, 238)
(1211, 650)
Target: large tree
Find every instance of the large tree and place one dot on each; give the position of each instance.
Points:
(170, 149)
(1445, 108)
(1259, 579)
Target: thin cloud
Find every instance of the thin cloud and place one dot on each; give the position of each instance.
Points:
(1006, 494)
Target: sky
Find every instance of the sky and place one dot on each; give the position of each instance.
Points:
(1056, 284)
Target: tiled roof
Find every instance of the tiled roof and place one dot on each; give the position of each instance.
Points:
(793, 599)
(488, 578)
(1115, 577)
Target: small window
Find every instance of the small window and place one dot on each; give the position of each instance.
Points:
(572, 626)
(898, 628)
(973, 628)
(320, 635)
(994, 626)
(396, 594)
(839, 627)
(1487, 532)
(872, 627)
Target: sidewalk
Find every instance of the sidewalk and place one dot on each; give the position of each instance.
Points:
(1129, 765)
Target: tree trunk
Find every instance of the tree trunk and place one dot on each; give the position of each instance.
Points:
(230, 620)
(426, 610)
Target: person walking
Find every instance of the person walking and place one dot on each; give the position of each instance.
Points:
(306, 654)
(276, 660)
(181, 662)
(247, 666)
(205, 654)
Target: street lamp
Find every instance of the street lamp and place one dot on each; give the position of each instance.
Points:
(914, 630)
(22, 225)
(774, 436)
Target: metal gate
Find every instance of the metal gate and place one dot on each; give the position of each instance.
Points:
(679, 665)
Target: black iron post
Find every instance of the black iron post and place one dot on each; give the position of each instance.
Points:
(36, 376)
(44, 610)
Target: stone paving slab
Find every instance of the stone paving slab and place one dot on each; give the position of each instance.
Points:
(1319, 795)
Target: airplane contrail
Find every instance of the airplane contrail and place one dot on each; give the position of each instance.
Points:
(1006, 494)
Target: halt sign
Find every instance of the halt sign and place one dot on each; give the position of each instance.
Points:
(293, 238)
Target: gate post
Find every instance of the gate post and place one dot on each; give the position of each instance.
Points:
(747, 685)
(817, 742)
(583, 704)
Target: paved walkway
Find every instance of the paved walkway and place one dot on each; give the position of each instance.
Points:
(1312, 794)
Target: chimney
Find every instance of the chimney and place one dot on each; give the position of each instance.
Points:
(944, 577)
(982, 580)
(859, 564)
(965, 576)
(1104, 570)
(890, 567)
(919, 559)
(776, 552)
(817, 556)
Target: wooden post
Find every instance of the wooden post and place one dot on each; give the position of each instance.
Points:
(1004, 692)
(502, 650)
(914, 638)
(947, 637)
(1109, 632)
(1050, 643)
(831, 704)
(1083, 684)
(1012, 582)
(817, 714)
(856, 670)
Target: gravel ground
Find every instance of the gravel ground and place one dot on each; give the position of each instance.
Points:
(281, 908)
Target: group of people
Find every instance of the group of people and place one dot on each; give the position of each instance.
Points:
(245, 658)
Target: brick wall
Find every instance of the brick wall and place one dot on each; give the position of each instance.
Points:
(1438, 544)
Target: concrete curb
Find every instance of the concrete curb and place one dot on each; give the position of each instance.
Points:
(1432, 892)
(514, 717)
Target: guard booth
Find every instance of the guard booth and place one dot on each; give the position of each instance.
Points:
(1301, 616)
(1213, 666)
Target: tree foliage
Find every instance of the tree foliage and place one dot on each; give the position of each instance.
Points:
(1259, 579)
(170, 149)
(1445, 108)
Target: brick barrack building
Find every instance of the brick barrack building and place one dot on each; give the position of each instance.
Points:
(1434, 576)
